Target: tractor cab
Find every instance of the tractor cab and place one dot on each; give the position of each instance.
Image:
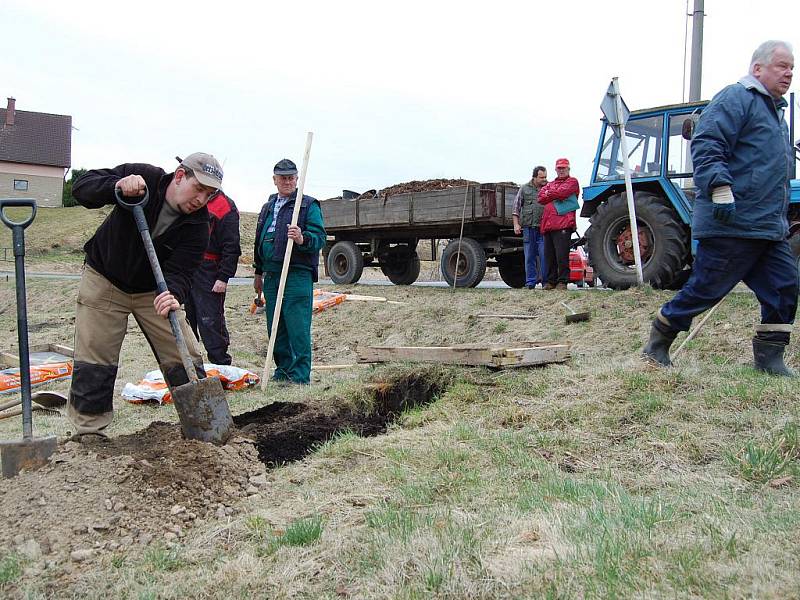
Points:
(658, 142)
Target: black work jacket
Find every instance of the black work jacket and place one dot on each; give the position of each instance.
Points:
(116, 250)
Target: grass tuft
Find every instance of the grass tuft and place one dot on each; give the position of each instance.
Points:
(10, 568)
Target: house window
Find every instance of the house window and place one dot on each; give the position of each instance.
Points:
(20, 185)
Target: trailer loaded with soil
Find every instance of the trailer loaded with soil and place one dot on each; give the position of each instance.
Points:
(383, 230)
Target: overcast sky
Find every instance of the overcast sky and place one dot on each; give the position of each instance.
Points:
(392, 91)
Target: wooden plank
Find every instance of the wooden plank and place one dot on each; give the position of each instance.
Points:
(335, 367)
(528, 357)
(432, 354)
(498, 316)
(11, 358)
(338, 212)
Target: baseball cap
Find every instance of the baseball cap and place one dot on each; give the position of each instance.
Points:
(285, 167)
(205, 167)
(562, 162)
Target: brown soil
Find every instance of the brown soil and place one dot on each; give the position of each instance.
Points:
(106, 495)
(430, 185)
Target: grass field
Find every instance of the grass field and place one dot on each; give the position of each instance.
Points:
(599, 478)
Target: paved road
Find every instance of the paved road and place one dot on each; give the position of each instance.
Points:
(249, 280)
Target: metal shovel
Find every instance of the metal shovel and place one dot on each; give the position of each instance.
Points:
(202, 409)
(575, 317)
(29, 453)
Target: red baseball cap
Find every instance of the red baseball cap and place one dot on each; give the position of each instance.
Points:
(562, 162)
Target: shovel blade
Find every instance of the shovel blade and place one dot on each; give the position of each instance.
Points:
(25, 454)
(203, 411)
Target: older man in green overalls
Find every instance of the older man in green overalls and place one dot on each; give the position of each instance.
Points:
(273, 231)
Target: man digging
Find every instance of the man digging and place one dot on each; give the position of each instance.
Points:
(117, 279)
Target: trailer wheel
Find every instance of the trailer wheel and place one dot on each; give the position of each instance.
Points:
(512, 269)
(663, 241)
(401, 266)
(467, 267)
(345, 263)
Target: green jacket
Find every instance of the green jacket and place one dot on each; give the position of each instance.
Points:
(530, 214)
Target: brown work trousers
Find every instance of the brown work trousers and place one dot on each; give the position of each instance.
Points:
(101, 321)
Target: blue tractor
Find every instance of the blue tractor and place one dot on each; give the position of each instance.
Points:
(661, 173)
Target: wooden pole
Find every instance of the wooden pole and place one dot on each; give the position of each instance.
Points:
(276, 316)
(696, 330)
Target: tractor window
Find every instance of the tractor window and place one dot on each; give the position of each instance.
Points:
(643, 137)
(679, 160)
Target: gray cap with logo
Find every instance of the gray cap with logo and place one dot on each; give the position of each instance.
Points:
(205, 167)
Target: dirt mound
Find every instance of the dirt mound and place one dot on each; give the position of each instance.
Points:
(430, 185)
(111, 494)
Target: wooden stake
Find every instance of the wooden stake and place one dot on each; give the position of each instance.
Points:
(276, 316)
(696, 330)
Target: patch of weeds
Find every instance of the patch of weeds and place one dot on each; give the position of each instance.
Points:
(164, 559)
(688, 571)
(500, 327)
(646, 405)
(341, 445)
(558, 486)
(435, 576)
(303, 532)
(10, 568)
(465, 392)
(118, 561)
(395, 521)
(257, 527)
(761, 462)
(640, 513)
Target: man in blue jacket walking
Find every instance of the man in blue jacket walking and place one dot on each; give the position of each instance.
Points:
(742, 165)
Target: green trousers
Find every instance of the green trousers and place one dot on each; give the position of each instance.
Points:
(292, 352)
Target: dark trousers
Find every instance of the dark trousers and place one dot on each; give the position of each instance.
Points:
(556, 255)
(205, 311)
(766, 267)
(533, 247)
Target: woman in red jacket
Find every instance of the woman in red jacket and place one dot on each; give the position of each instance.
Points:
(557, 229)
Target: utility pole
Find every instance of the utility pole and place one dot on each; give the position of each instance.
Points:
(696, 71)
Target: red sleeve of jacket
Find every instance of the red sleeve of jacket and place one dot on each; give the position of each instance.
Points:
(559, 189)
(225, 235)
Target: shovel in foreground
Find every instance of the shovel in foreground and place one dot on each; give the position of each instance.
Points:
(29, 453)
(202, 409)
(575, 317)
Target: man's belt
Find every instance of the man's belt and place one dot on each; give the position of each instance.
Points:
(211, 256)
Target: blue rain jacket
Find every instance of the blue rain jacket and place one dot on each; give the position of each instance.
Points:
(742, 140)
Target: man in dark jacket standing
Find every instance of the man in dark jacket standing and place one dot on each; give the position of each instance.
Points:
(117, 279)
(273, 231)
(556, 227)
(205, 306)
(742, 162)
(527, 216)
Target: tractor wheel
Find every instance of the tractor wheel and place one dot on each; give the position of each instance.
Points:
(663, 241)
(401, 265)
(512, 269)
(345, 263)
(467, 267)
